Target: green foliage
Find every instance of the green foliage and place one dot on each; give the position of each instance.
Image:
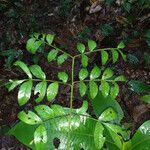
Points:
(75, 128)
(106, 29)
(11, 55)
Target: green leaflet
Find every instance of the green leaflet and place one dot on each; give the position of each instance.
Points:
(29, 118)
(115, 55)
(121, 45)
(40, 89)
(40, 137)
(37, 72)
(44, 111)
(62, 58)
(93, 88)
(146, 98)
(108, 115)
(99, 139)
(83, 74)
(91, 45)
(52, 55)
(82, 88)
(141, 138)
(49, 38)
(138, 86)
(120, 78)
(33, 45)
(24, 67)
(63, 76)
(95, 73)
(24, 92)
(52, 91)
(114, 91)
(80, 47)
(108, 73)
(104, 57)
(14, 84)
(84, 60)
(104, 87)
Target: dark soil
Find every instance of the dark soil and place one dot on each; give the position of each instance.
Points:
(70, 23)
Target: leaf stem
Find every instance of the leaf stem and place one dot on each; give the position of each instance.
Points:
(97, 50)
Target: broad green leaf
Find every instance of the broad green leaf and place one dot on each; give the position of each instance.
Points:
(14, 83)
(29, 118)
(101, 103)
(40, 138)
(80, 47)
(49, 38)
(45, 112)
(141, 138)
(120, 78)
(40, 89)
(104, 57)
(114, 141)
(93, 89)
(52, 91)
(108, 73)
(37, 72)
(146, 98)
(95, 73)
(82, 88)
(124, 57)
(52, 55)
(84, 60)
(138, 86)
(114, 90)
(73, 131)
(99, 139)
(108, 115)
(33, 45)
(83, 74)
(63, 76)
(24, 67)
(104, 87)
(121, 45)
(24, 92)
(115, 55)
(61, 59)
(121, 131)
(91, 45)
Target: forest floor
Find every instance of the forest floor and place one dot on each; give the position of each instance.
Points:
(71, 22)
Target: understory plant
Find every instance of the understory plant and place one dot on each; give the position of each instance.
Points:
(66, 128)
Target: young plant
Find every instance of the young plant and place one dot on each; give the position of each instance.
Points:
(72, 128)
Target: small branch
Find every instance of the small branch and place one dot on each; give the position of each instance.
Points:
(98, 50)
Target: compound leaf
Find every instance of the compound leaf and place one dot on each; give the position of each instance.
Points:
(61, 59)
(115, 55)
(95, 73)
(108, 73)
(114, 90)
(104, 87)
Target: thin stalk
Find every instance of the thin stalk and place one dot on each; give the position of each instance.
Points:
(97, 50)
(59, 50)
